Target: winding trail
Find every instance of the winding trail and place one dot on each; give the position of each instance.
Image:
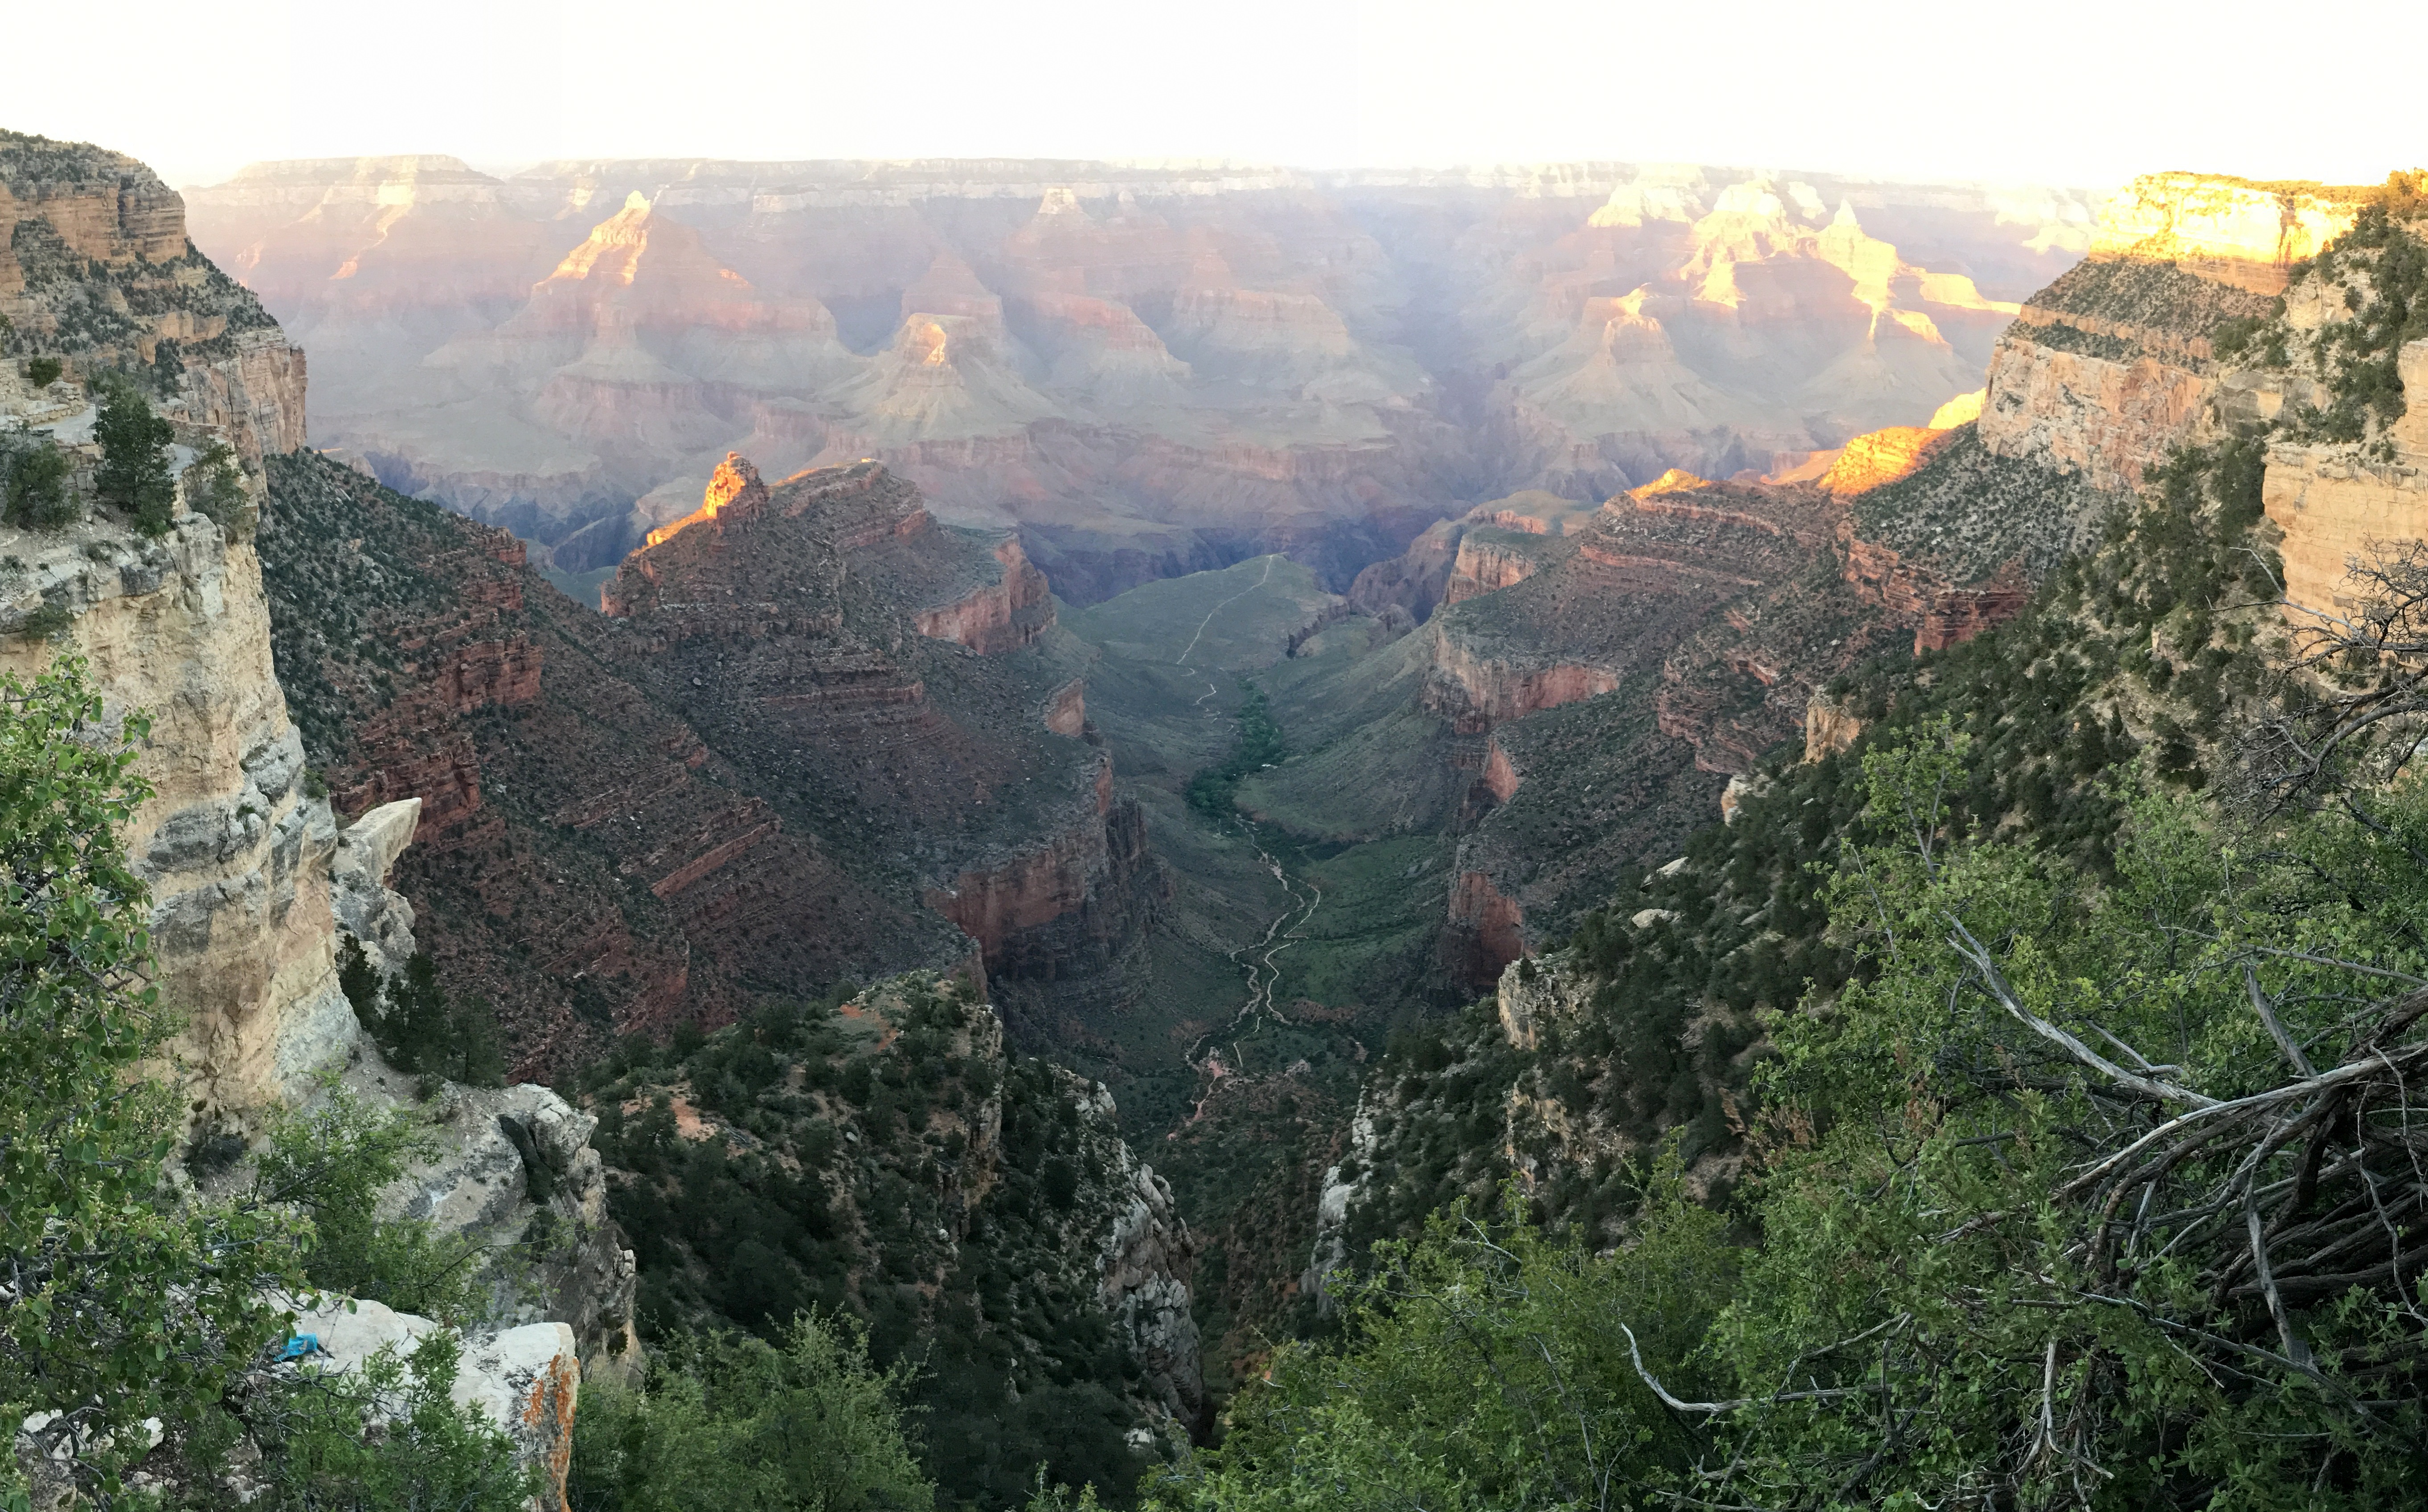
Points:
(1183, 662)
(1287, 927)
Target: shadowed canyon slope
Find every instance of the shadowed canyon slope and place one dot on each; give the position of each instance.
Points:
(1147, 370)
(818, 732)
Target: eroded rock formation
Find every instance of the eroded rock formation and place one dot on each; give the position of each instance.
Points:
(1144, 369)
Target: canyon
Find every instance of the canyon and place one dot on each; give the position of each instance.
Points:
(371, 725)
(1139, 639)
(1143, 370)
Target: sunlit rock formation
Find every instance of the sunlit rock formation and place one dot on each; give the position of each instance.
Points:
(1146, 370)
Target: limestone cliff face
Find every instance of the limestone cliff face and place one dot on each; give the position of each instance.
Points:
(1484, 565)
(95, 268)
(251, 876)
(1065, 907)
(2337, 504)
(1476, 691)
(1003, 615)
(236, 851)
(1142, 1264)
(2231, 229)
(2112, 420)
(2111, 367)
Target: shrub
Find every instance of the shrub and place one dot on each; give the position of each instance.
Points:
(320, 1449)
(40, 493)
(42, 371)
(215, 487)
(122, 1306)
(725, 1422)
(420, 1028)
(330, 1164)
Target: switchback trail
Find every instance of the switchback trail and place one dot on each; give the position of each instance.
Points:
(1183, 662)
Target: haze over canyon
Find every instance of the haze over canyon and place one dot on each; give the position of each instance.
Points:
(1147, 370)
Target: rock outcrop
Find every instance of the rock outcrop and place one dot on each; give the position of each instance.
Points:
(253, 879)
(95, 269)
(2112, 367)
(235, 848)
(2337, 505)
(525, 1380)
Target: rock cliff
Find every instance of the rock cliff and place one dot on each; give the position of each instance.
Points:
(254, 877)
(813, 714)
(96, 270)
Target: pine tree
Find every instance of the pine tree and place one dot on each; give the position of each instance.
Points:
(134, 474)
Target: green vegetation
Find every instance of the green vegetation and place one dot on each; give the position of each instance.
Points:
(125, 1307)
(1972, 1256)
(2389, 306)
(418, 1026)
(134, 474)
(2379, 271)
(386, 1438)
(830, 1158)
(1669, 1029)
(330, 1163)
(729, 1422)
(42, 372)
(1967, 513)
(2155, 298)
(1259, 745)
(215, 486)
(128, 1301)
(41, 490)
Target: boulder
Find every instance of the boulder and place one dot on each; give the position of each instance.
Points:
(526, 1380)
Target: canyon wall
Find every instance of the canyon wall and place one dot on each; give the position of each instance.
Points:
(236, 852)
(2112, 366)
(812, 712)
(1142, 369)
(2338, 504)
(102, 277)
(253, 875)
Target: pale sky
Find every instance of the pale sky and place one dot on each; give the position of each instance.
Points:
(2067, 92)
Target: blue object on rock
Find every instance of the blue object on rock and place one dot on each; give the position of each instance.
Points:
(301, 1345)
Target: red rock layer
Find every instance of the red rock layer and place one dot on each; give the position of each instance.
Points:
(1003, 615)
(1943, 615)
(1481, 567)
(1066, 713)
(1486, 931)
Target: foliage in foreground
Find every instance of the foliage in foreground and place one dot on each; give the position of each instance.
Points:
(729, 1422)
(2083, 1192)
(119, 1306)
(125, 1300)
(330, 1162)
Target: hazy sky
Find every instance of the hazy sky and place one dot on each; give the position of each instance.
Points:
(2075, 92)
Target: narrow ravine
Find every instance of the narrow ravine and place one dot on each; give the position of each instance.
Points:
(1258, 959)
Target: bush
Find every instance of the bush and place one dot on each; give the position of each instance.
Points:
(419, 1027)
(42, 371)
(386, 1439)
(215, 487)
(41, 495)
(123, 1304)
(330, 1164)
(725, 1422)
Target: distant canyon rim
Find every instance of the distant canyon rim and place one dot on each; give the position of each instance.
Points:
(1146, 370)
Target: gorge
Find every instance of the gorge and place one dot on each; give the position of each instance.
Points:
(1050, 758)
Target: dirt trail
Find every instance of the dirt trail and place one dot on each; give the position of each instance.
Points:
(1287, 927)
(1183, 662)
